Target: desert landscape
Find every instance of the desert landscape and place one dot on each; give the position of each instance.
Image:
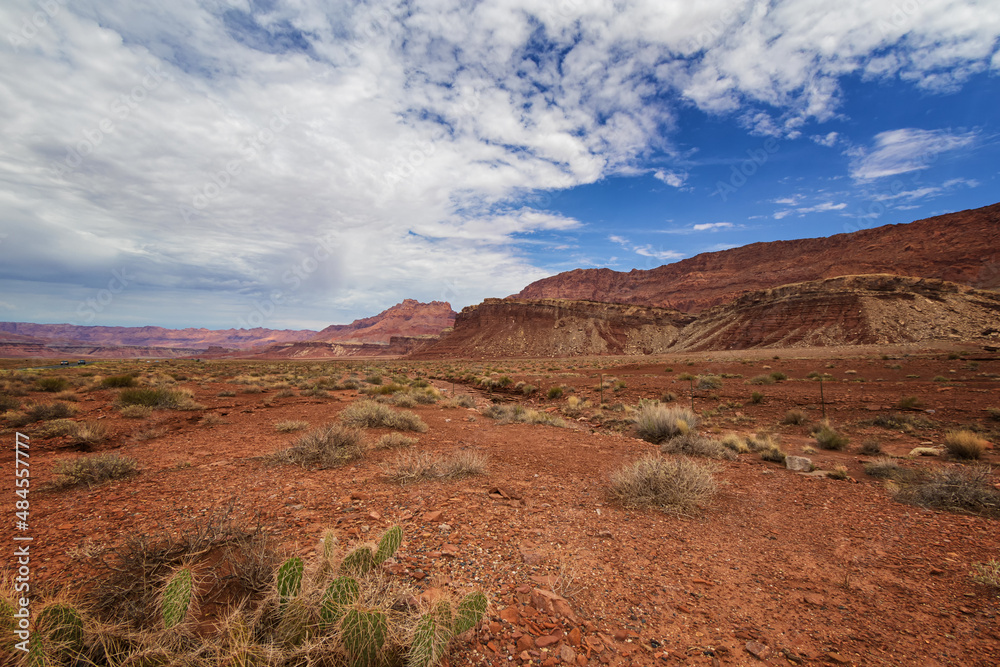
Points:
(791, 468)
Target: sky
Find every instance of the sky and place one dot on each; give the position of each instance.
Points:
(230, 164)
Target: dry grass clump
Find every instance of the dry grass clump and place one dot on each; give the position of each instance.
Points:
(899, 422)
(735, 442)
(655, 422)
(670, 484)
(394, 440)
(769, 450)
(887, 468)
(966, 490)
(965, 444)
(159, 397)
(909, 403)
(839, 472)
(371, 414)
(412, 467)
(511, 413)
(692, 444)
(460, 401)
(870, 447)
(574, 406)
(36, 412)
(828, 438)
(136, 411)
(795, 418)
(57, 428)
(51, 384)
(326, 447)
(987, 574)
(290, 426)
(93, 470)
(118, 381)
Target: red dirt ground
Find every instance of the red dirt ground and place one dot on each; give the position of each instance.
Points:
(795, 568)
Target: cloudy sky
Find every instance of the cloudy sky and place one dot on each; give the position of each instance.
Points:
(296, 164)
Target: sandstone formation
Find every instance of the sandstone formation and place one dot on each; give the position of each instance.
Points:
(409, 318)
(551, 327)
(850, 310)
(959, 247)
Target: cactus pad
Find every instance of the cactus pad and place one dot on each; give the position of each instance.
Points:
(364, 633)
(470, 611)
(62, 625)
(176, 598)
(290, 578)
(388, 545)
(340, 594)
(360, 561)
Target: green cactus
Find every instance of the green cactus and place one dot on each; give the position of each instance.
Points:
(340, 594)
(177, 598)
(360, 561)
(430, 638)
(296, 624)
(471, 610)
(61, 630)
(329, 546)
(388, 545)
(364, 633)
(290, 578)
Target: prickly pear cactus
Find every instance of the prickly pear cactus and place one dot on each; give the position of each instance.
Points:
(340, 594)
(430, 638)
(360, 561)
(176, 598)
(60, 627)
(470, 612)
(388, 545)
(290, 578)
(364, 633)
(330, 545)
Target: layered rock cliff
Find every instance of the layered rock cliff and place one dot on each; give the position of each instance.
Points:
(961, 247)
(559, 328)
(408, 318)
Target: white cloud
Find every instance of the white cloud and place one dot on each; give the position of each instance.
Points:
(413, 133)
(828, 140)
(905, 150)
(674, 179)
(646, 250)
(823, 207)
(712, 226)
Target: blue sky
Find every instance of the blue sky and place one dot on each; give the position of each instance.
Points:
(233, 164)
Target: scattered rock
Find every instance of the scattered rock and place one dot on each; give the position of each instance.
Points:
(552, 604)
(833, 656)
(758, 650)
(798, 463)
(567, 654)
(431, 517)
(549, 640)
(510, 615)
(926, 451)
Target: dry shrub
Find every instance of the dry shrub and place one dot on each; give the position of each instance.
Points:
(370, 414)
(93, 470)
(655, 422)
(964, 444)
(88, 434)
(327, 446)
(887, 468)
(828, 438)
(669, 484)
(394, 440)
(290, 426)
(412, 467)
(512, 413)
(118, 381)
(136, 411)
(966, 490)
(52, 384)
(36, 412)
(735, 442)
(870, 447)
(57, 428)
(838, 472)
(987, 574)
(170, 399)
(795, 418)
(692, 444)
(460, 401)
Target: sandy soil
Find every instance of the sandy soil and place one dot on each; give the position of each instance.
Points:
(780, 568)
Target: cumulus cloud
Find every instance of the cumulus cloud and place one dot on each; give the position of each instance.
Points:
(674, 179)
(905, 150)
(330, 160)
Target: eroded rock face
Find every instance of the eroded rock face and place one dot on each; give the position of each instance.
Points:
(961, 247)
(409, 318)
(550, 327)
(849, 310)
